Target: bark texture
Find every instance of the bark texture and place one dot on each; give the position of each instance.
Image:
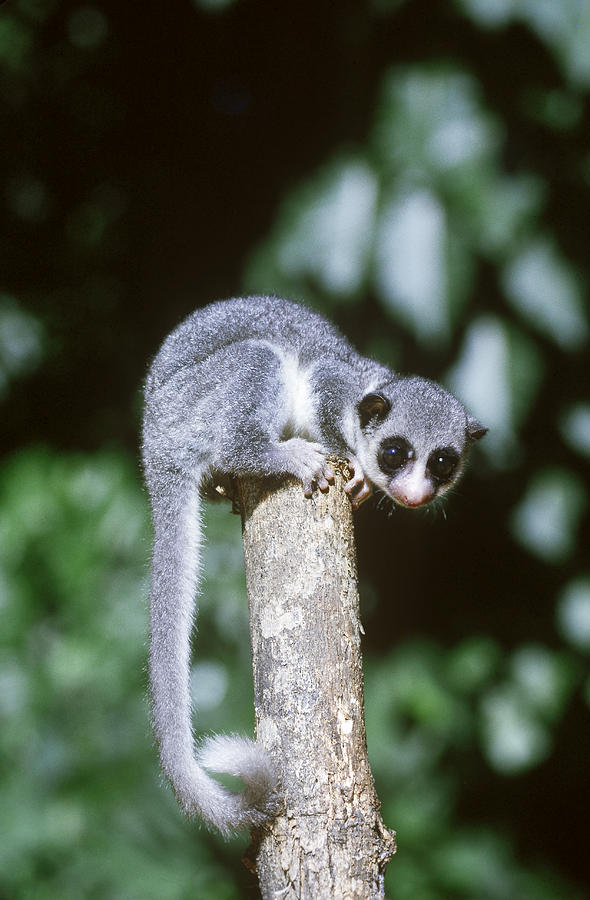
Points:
(329, 841)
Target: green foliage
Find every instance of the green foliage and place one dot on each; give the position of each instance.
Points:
(564, 27)
(79, 768)
(83, 813)
(430, 710)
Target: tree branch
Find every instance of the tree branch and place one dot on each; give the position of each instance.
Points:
(329, 841)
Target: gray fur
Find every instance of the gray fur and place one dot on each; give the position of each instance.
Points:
(263, 386)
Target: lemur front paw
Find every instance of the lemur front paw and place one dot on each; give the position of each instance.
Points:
(308, 462)
(359, 488)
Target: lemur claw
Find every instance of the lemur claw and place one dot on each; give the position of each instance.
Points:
(359, 487)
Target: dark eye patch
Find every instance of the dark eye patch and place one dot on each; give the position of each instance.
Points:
(394, 453)
(442, 464)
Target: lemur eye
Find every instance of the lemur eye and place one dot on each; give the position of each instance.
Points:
(394, 454)
(442, 464)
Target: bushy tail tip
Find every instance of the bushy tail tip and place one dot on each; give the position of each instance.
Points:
(242, 758)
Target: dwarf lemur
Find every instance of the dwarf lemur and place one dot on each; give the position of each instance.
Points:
(264, 386)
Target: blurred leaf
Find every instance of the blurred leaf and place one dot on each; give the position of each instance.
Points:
(410, 266)
(544, 290)
(16, 43)
(429, 123)
(573, 612)
(497, 375)
(87, 27)
(503, 209)
(575, 427)
(546, 520)
(324, 232)
(544, 677)
(557, 109)
(21, 342)
(564, 26)
(516, 713)
(472, 664)
(514, 738)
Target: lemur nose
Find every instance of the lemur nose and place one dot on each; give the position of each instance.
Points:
(413, 502)
(413, 498)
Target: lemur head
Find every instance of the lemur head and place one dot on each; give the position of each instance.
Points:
(415, 439)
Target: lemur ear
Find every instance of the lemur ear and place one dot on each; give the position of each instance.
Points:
(373, 407)
(475, 430)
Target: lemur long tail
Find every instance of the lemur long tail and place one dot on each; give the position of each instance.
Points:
(175, 574)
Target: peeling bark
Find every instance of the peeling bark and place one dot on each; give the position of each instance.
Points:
(329, 841)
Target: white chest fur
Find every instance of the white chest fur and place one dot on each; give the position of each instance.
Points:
(299, 409)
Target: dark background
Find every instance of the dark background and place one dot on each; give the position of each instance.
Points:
(200, 123)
